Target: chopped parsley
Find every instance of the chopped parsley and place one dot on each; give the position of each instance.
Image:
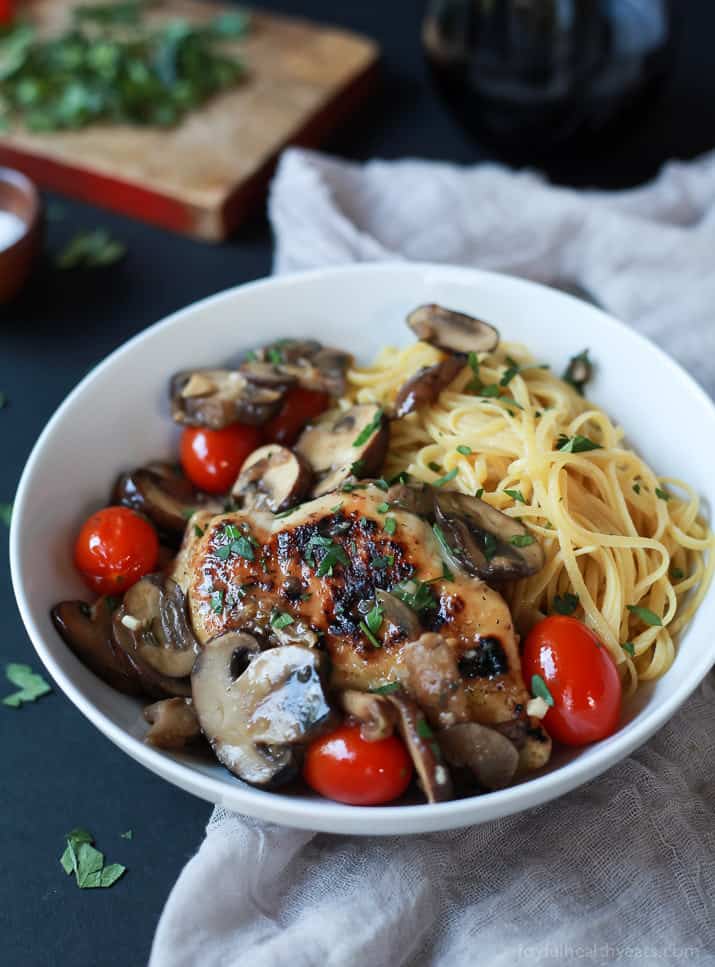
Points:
(479, 493)
(386, 689)
(381, 484)
(677, 573)
(333, 554)
(224, 551)
(30, 686)
(522, 540)
(416, 595)
(566, 603)
(87, 863)
(369, 635)
(629, 648)
(446, 573)
(274, 355)
(423, 729)
(662, 494)
(441, 539)
(383, 508)
(464, 450)
(368, 431)
(288, 512)
(336, 508)
(446, 479)
(636, 488)
(90, 250)
(217, 598)
(475, 384)
(390, 525)
(576, 444)
(281, 619)
(356, 468)
(516, 495)
(510, 372)
(198, 531)
(373, 619)
(539, 689)
(489, 391)
(579, 371)
(381, 561)
(489, 545)
(434, 467)
(243, 547)
(647, 616)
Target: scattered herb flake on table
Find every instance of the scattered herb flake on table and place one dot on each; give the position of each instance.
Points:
(87, 863)
(6, 514)
(30, 686)
(90, 250)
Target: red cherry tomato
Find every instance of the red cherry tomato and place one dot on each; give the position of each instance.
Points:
(581, 676)
(299, 407)
(114, 548)
(343, 766)
(212, 458)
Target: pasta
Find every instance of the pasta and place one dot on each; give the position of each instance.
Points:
(627, 550)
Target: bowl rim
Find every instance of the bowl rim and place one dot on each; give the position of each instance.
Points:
(325, 815)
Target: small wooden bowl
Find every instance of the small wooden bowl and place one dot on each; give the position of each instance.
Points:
(19, 195)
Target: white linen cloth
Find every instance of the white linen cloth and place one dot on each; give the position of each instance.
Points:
(621, 869)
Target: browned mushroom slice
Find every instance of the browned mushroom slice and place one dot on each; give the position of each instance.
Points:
(257, 720)
(87, 631)
(426, 385)
(374, 713)
(173, 723)
(163, 494)
(152, 626)
(422, 745)
(399, 622)
(488, 754)
(272, 478)
(305, 362)
(414, 498)
(482, 542)
(454, 331)
(435, 682)
(216, 398)
(345, 443)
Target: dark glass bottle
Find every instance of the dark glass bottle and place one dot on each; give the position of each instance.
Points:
(532, 76)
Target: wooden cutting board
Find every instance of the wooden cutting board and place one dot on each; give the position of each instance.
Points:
(202, 177)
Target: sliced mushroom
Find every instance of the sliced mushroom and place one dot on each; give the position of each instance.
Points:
(345, 443)
(163, 494)
(87, 631)
(422, 745)
(272, 478)
(488, 754)
(173, 723)
(216, 398)
(435, 681)
(400, 623)
(484, 543)
(414, 498)
(426, 385)
(454, 331)
(376, 715)
(152, 626)
(257, 720)
(305, 362)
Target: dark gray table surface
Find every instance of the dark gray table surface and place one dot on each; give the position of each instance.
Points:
(58, 771)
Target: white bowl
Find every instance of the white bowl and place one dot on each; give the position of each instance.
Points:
(118, 417)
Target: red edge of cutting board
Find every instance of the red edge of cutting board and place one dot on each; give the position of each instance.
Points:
(169, 212)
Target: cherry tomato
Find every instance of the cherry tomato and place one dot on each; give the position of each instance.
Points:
(343, 766)
(114, 548)
(299, 407)
(212, 458)
(581, 676)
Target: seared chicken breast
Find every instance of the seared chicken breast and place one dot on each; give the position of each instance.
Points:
(316, 576)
